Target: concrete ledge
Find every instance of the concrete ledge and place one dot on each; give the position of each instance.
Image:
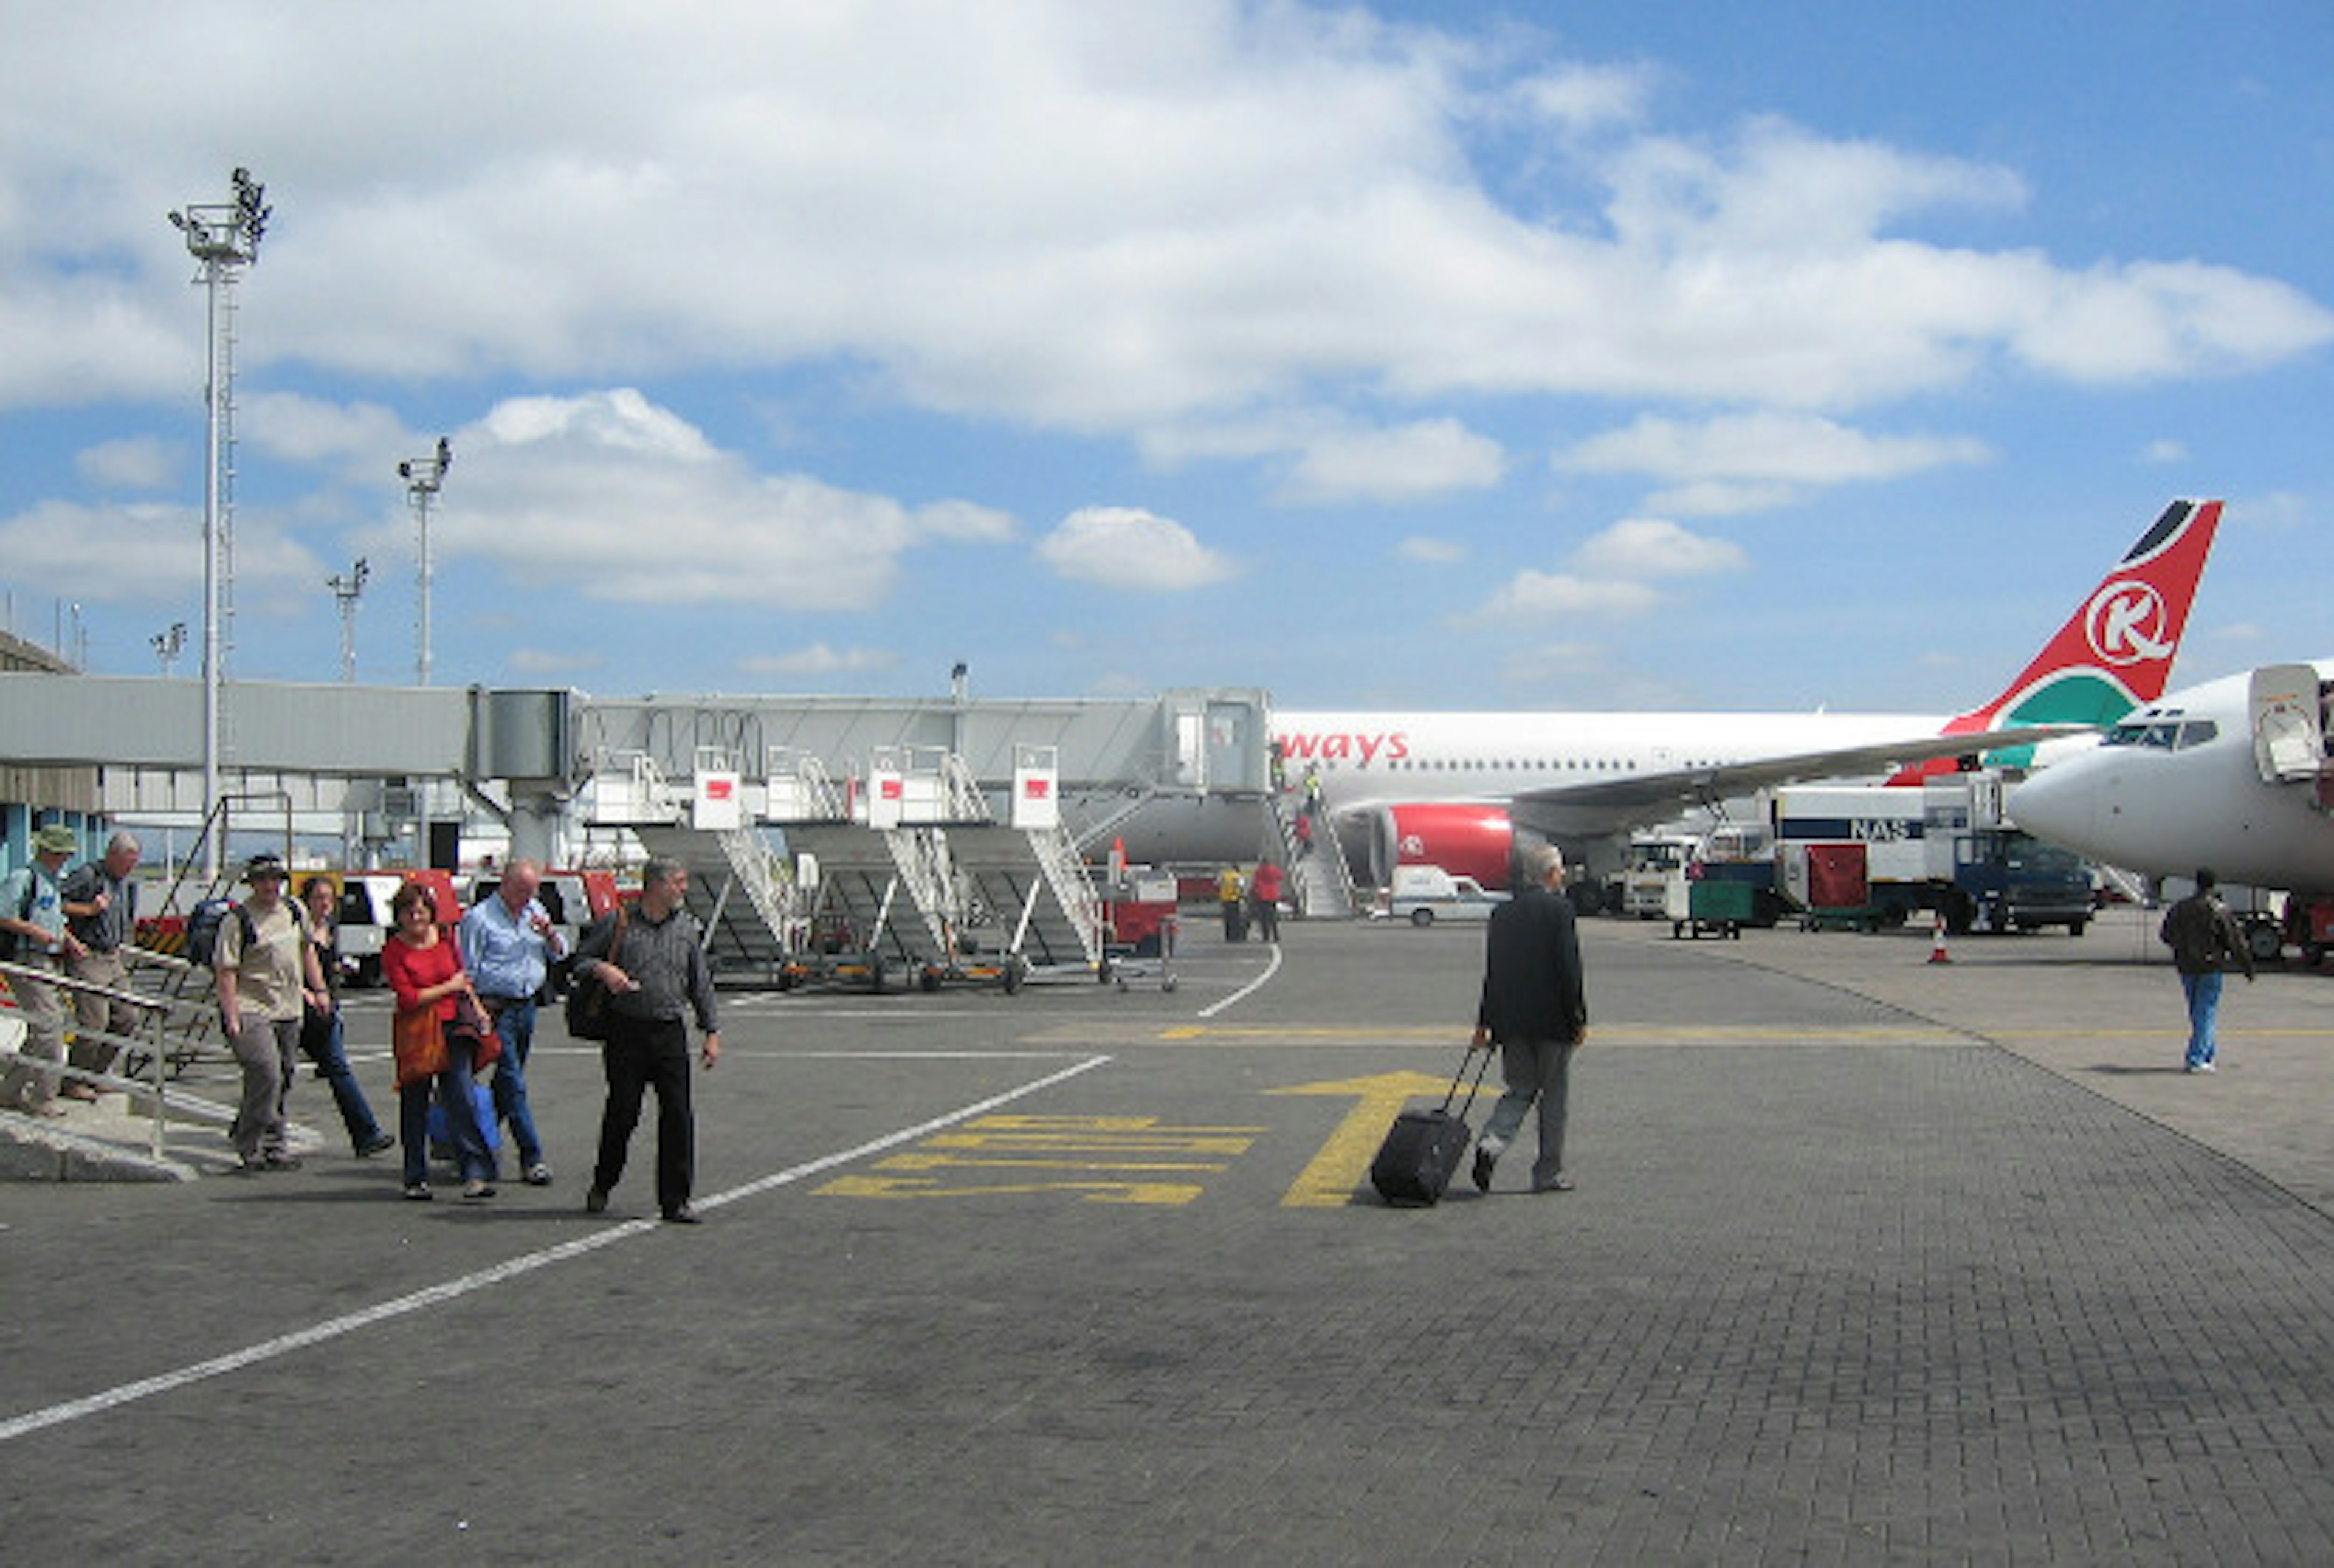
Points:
(31, 1151)
(112, 1141)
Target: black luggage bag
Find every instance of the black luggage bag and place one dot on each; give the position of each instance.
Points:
(1422, 1149)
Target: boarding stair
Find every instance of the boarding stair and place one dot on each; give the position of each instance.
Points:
(1010, 901)
(1321, 885)
(741, 889)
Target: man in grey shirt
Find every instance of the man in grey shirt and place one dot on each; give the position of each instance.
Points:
(101, 909)
(651, 957)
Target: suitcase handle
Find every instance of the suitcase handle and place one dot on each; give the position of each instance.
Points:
(1480, 1068)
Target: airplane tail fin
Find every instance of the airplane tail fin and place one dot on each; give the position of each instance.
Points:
(2116, 652)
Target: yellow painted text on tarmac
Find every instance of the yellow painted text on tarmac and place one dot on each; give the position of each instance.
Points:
(1098, 1159)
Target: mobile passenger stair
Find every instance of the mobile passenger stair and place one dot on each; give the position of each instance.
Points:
(741, 888)
(1000, 903)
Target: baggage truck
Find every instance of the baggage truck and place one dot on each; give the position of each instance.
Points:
(1944, 847)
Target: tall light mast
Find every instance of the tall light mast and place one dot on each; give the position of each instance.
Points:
(346, 587)
(168, 644)
(424, 477)
(224, 236)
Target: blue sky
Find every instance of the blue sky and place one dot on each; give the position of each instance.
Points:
(1416, 355)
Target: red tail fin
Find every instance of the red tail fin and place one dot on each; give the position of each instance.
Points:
(2116, 652)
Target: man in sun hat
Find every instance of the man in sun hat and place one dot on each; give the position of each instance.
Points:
(268, 975)
(32, 911)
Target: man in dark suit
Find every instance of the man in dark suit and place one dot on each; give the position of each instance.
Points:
(1534, 1011)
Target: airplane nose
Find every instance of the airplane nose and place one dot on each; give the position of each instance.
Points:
(2058, 803)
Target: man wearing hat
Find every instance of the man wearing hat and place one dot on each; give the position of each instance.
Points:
(268, 975)
(32, 910)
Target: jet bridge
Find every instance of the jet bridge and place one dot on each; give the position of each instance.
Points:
(709, 778)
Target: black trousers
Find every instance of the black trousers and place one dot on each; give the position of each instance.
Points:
(639, 1053)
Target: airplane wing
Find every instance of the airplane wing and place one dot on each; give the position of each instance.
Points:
(1614, 805)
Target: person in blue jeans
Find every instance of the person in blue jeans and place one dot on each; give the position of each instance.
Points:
(508, 944)
(2203, 938)
(321, 1035)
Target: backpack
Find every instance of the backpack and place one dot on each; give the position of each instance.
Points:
(10, 941)
(203, 928)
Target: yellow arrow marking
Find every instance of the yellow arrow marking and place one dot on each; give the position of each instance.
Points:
(1329, 1182)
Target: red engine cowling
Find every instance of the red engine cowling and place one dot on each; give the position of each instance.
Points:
(1467, 841)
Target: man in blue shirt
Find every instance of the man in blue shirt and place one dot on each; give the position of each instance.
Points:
(507, 943)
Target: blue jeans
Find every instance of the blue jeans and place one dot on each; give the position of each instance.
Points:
(515, 1021)
(453, 1090)
(320, 1042)
(2203, 1007)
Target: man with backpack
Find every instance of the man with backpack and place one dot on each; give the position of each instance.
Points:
(33, 933)
(268, 976)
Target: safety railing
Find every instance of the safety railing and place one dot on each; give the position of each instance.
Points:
(146, 1048)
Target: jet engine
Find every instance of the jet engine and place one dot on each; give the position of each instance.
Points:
(1474, 840)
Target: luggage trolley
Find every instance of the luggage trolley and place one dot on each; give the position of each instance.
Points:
(1143, 925)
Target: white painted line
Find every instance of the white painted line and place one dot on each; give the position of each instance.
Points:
(1270, 971)
(339, 1327)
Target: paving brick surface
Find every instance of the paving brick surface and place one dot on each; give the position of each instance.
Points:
(1846, 1280)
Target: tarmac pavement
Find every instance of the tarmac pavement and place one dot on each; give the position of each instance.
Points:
(1871, 1260)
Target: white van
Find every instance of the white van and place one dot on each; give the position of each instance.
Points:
(1425, 894)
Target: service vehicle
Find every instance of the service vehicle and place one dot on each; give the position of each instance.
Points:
(1425, 894)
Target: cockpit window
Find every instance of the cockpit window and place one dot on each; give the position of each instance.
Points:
(2154, 730)
(2197, 732)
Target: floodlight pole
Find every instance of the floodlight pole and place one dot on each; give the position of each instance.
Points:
(424, 477)
(224, 237)
(346, 587)
(168, 644)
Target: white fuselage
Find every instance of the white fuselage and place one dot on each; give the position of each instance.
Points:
(2178, 786)
(1363, 759)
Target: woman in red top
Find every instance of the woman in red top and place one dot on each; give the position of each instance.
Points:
(424, 968)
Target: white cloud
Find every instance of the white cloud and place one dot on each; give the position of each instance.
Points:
(1650, 547)
(1431, 551)
(134, 463)
(1533, 595)
(1755, 461)
(2164, 450)
(146, 551)
(632, 503)
(1608, 573)
(1126, 547)
(818, 659)
(1411, 462)
(777, 187)
(1582, 98)
(545, 661)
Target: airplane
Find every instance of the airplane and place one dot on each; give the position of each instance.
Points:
(1454, 789)
(2234, 774)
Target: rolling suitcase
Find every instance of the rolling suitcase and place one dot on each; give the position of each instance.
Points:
(1422, 1149)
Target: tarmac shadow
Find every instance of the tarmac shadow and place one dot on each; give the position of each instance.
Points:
(2125, 1070)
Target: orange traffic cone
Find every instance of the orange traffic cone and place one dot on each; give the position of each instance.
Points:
(1937, 954)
